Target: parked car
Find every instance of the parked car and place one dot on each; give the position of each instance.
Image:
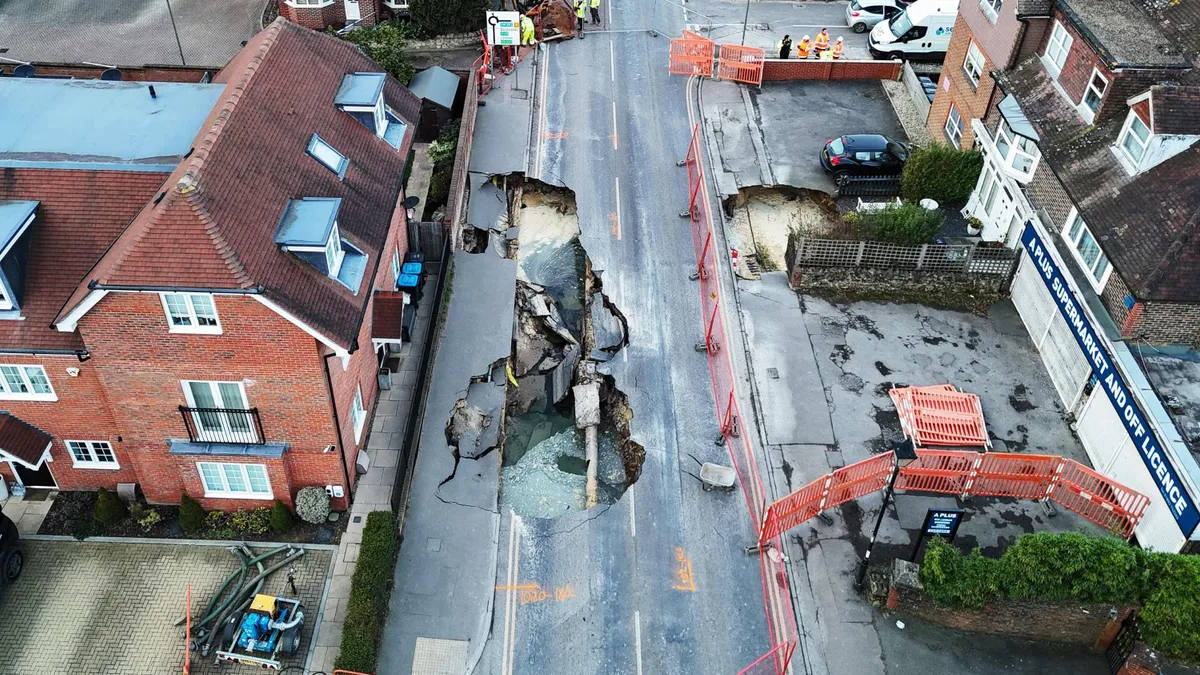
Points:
(11, 560)
(863, 155)
(862, 15)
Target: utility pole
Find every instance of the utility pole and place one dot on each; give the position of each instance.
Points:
(745, 22)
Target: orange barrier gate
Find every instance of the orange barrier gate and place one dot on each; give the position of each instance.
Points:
(832, 489)
(692, 54)
(1097, 498)
(741, 64)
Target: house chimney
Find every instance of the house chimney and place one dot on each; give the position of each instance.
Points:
(152, 94)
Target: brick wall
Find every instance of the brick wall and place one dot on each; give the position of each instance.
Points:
(790, 70)
(456, 213)
(140, 365)
(1077, 69)
(317, 18)
(1036, 32)
(1113, 298)
(971, 100)
(1063, 622)
(150, 73)
(1164, 323)
(81, 413)
(998, 39)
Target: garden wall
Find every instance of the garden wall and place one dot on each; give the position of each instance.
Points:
(784, 70)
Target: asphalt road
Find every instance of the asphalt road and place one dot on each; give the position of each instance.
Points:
(658, 582)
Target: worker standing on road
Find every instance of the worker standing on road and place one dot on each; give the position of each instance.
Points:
(803, 49)
(785, 47)
(596, 12)
(580, 6)
(837, 48)
(822, 41)
(528, 35)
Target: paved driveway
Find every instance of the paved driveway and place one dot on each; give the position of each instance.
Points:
(83, 607)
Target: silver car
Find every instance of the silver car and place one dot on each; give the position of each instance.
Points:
(862, 15)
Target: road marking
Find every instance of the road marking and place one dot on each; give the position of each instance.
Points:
(617, 221)
(632, 508)
(516, 564)
(687, 581)
(612, 60)
(518, 587)
(555, 136)
(815, 25)
(637, 639)
(537, 164)
(614, 134)
(625, 357)
(609, 23)
(508, 600)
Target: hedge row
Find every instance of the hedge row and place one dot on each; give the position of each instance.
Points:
(940, 172)
(1071, 566)
(366, 608)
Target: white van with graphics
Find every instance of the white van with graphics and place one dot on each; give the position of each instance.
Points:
(919, 33)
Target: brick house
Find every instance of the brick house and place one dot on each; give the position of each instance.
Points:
(188, 289)
(320, 14)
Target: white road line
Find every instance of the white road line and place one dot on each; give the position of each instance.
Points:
(637, 639)
(609, 14)
(508, 593)
(542, 131)
(817, 25)
(516, 566)
(612, 61)
(614, 106)
(617, 183)
(632, 509)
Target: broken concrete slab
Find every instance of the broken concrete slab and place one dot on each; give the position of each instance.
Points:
(587, 404)
(488, 205)
(563, 375)
(608, 327)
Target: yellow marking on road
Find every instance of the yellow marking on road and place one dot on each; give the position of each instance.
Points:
(555, 136)
(687, 580)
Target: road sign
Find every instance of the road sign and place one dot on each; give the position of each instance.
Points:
(938, 522)
(504, 29)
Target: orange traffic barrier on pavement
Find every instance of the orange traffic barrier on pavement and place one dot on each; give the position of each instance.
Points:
(741, 64)
(692, 54)
(940, 415)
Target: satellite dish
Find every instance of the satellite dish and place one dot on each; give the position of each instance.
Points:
(23, 70)
(111, 75)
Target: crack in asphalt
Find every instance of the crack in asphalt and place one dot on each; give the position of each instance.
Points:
(599, 512)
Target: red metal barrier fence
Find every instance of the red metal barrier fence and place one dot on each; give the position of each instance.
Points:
(741, 64)
(965, 473)
(692, 54)
(781, 619)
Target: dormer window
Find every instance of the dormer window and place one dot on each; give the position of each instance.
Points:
(309, 230)
(361, 95)
(325, 154)
(1134, 138)
(991, 8)
(1016, 141)
(15, 220)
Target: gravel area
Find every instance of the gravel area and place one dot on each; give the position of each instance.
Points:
(906, 111)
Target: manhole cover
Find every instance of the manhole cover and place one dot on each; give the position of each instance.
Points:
(773, 373)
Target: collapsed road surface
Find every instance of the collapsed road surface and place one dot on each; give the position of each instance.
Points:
(656, 582)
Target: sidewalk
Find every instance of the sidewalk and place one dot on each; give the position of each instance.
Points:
(29, 511)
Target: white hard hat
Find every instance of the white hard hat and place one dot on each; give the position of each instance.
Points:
(807, 38)
(839, 38)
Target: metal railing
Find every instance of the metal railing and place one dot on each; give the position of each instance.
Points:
(222, 425)
(954, 259)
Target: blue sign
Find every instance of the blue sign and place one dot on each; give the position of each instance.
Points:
(1179, 502)
(943, 522)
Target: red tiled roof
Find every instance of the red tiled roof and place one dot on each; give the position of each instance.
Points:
(80, 215)
(22, 440)
(215, 228)
(387, 318)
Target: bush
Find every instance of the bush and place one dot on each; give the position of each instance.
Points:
(1070, 566)
(312, 504)
(215, 520)
(906, 224)
(109, 507)
(257, 521)
(1171, 608)
(941, 172)
(366, 608)
(385, 44)
(439, 17)
(281, 518)
(191, 515)
(149, 519)
(957, 580)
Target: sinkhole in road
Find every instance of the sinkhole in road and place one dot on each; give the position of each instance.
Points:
(564, 327)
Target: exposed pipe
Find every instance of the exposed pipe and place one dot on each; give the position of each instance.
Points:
(337, 426)
(258, 580)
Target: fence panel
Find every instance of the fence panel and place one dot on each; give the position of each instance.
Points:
(861, 478)
(942, 258)
(741, 64)
(944, 471)
(1098, 498)
(870, 186)
(692, 54)
(795, 508)
(1015, 475)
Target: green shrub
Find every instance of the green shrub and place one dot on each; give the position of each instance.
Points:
(281, 518)
(957, 580)
(366, 607)
(439, 17)
(386, 45)
(149, 519)
(442, 150)
(191, 515)
(109, 507)
(1171, 608)
(1070, 566)
(941, 173)
(312, 504)
(906, 224)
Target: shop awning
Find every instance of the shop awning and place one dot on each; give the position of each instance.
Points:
(1016, 118)
(22, 442)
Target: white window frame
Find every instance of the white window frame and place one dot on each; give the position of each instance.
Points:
(397, 4)
(956, 134)
(334, 253)
(189, 301)
(308, 3)
(1073, 244)
(381, 120)
(973, 63)
(358, 414)
(91, 452)
(1014, 140)
(1060, 42)
(991, 8)
(5, 301)
(396, 267)
(226, 432)
(23, 371)
(320, 150)
(1086, 112)
(1132, 164)
(223, 470)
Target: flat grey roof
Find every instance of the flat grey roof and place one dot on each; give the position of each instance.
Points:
(435, 84)
(360, 89)
(200, 33)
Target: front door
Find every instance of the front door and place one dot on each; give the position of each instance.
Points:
(352, 12)
(34, 478)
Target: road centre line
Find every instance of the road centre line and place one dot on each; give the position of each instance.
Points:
(632, 509)
(510, 582)
(637, 639)
(516, 566)
(614, 134)
(617, 182)
(612, 60)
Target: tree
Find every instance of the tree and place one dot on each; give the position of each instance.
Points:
(386, 45)
(439, 17)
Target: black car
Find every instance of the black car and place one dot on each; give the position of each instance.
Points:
(11, 560)
(863, 155)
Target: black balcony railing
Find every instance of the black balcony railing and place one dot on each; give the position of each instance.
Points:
(222, 425)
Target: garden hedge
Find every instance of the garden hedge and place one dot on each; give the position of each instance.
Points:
(366, 608)
(1078, 567)
(940, 172)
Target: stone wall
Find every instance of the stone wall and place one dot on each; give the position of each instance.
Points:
(1092, 626)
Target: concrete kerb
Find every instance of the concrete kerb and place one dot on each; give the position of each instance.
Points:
(224, 543)
(813, 659)
(485, 620)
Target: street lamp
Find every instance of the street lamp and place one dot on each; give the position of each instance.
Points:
(906, 453)
(745, 22)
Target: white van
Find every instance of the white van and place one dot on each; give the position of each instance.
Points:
(921, 32)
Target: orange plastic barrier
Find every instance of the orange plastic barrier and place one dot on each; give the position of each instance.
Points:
(1099, 499)
(1015, 475)
(940, 415)
(741, 64)
(692, 54)
(832, 489)
(945, 471)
